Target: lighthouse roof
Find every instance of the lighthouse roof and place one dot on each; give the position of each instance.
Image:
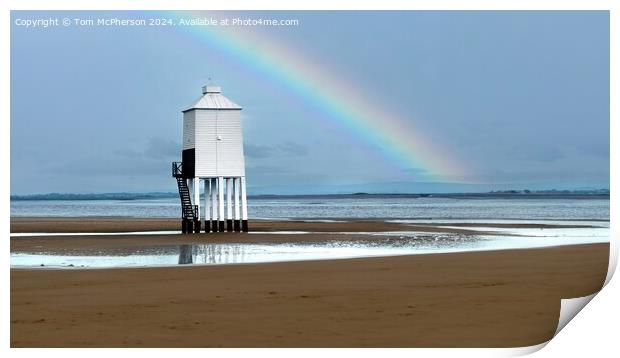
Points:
(212, 99)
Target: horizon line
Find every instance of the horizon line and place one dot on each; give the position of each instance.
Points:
(172, 193)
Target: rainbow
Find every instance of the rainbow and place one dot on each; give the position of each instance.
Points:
(337, 100)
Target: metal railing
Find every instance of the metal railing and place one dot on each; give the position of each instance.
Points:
(183, 213)
(177, 169)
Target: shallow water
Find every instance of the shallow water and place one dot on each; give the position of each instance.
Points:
(385, 244)
(325, 208)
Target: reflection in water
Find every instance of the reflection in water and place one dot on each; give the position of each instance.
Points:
(219, 254)
(185, 254)
(211, 254)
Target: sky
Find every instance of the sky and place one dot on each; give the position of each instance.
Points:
(343, 101)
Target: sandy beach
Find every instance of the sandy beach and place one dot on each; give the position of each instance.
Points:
(479, 299)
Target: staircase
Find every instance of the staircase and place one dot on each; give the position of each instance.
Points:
(188, 211)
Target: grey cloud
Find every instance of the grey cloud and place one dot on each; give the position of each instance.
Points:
(531, 152)
(155, 148)
(595, 148)
(290, 149)
(103, 166)
(152, 159)
(257, 151)
(162, 148)
(268, 169)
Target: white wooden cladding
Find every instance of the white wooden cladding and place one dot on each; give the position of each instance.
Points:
(188, 130)
(218, 139)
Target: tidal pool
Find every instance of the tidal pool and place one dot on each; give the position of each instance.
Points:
(382, 244)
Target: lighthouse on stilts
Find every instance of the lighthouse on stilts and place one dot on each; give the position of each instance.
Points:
(212, 158)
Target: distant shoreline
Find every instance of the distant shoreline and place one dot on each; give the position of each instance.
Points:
(512, 194)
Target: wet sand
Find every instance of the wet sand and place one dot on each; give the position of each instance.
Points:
(479, 299)
(103, 225)
(124, 224)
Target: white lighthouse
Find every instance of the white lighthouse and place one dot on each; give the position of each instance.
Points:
(212, 158)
